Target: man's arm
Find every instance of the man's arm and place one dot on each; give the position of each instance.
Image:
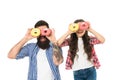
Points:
(16, 48)
(57, 55)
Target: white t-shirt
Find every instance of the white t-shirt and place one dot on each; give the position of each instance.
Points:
(81, 61)
(43, 69)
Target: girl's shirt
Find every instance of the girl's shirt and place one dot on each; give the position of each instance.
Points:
(93, 41)
(81, 61)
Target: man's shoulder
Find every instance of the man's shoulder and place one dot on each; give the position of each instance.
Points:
(31, 44)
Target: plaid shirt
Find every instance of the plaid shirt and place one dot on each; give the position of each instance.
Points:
(93, 41)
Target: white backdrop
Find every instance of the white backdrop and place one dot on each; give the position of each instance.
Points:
(16, 16)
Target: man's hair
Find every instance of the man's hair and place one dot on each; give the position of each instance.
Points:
(41, 23)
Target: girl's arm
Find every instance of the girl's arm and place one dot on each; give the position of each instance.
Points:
(64, 36)
(97, 35)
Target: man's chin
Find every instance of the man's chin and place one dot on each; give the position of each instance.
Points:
(43, 42)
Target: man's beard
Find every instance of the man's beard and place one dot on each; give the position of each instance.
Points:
(43, 44)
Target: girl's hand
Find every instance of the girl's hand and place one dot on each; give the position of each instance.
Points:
(89, 27)
(70, 31)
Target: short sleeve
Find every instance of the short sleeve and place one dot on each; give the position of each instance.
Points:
(23, 52)
(65, 43)
(94, 40)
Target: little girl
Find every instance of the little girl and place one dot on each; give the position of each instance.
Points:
(81, 56)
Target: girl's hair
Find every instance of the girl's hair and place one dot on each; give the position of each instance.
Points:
(74, 43)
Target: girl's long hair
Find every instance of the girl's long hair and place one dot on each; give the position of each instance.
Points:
(73, 46)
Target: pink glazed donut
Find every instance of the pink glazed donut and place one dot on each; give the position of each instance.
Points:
(84, 26)
(46, 32)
